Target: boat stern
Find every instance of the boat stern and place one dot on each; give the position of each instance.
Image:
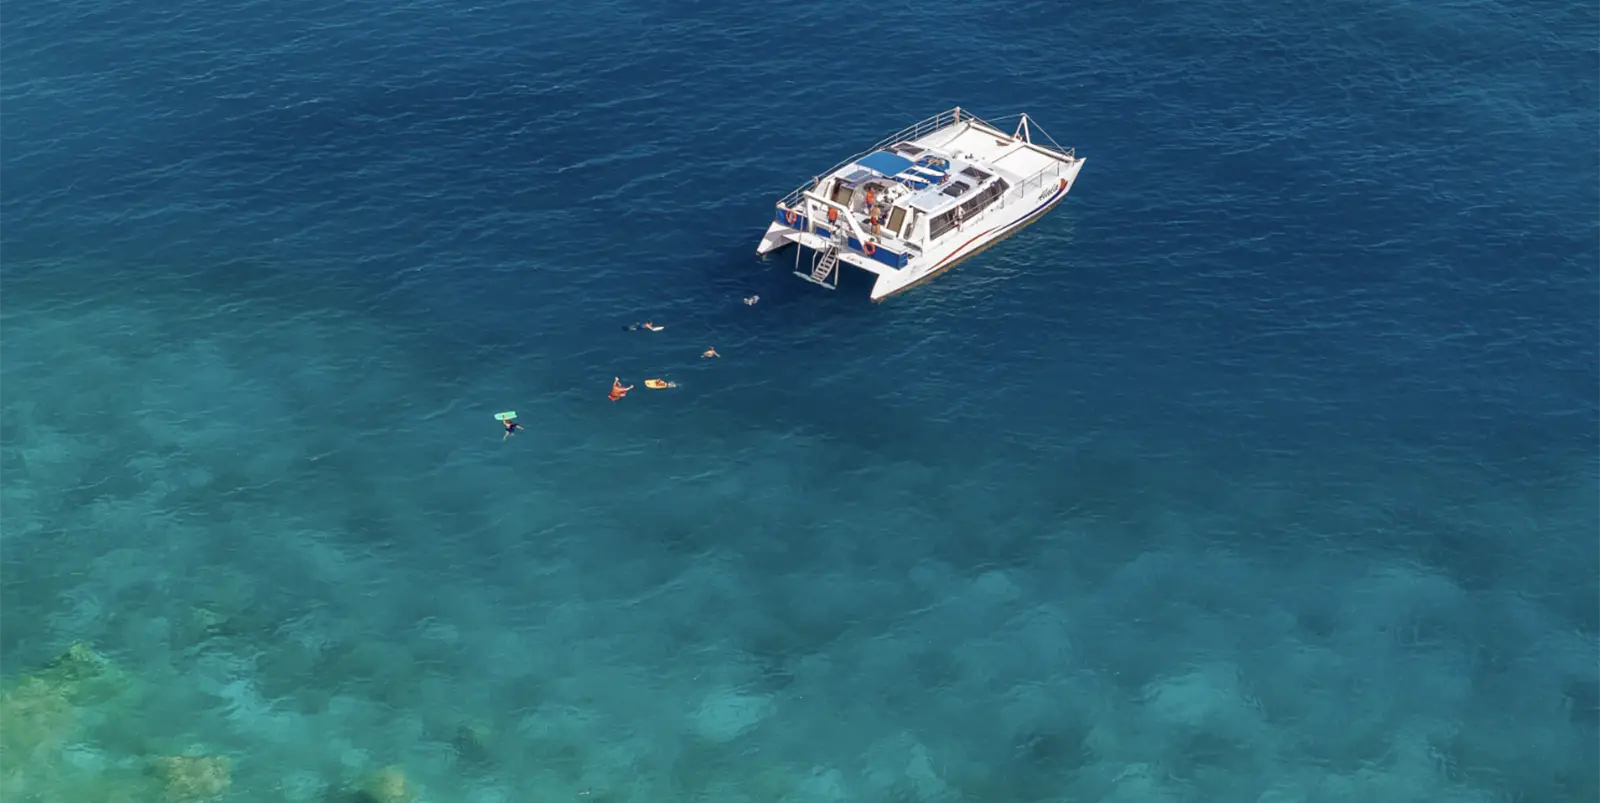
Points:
(777, 236)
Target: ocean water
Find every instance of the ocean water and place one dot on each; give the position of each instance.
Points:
(1262, 469)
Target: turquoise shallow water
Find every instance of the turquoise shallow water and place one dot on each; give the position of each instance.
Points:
(1262, 469)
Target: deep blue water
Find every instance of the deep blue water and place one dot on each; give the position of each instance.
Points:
(1263, 469)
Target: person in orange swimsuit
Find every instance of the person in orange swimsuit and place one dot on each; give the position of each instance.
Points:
(617, 389)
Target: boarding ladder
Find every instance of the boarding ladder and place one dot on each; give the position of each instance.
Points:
(826, 266)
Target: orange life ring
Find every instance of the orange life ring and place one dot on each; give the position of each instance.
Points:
(869, 248)
(790, 216)
(833, 215)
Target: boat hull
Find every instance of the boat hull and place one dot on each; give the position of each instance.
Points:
(972, 247)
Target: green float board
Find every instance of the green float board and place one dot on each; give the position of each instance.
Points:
(505, 416)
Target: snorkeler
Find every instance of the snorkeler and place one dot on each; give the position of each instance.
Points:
(709, 353)
(646, 325)
(750, 301)
(508, 419)
(511, 428)
(617, 389)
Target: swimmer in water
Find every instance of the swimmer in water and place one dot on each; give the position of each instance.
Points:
(646, 325)
(709, 353)
(659, 384)
(511, 428)
(751, 301)
(617, 389)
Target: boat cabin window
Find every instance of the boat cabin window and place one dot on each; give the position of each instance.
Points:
(841, 195)
(974, 206)
(968, 209)
(896, 218)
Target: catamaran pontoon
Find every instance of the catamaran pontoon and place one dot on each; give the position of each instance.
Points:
(923, 200)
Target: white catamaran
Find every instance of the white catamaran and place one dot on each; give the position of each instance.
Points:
(922, 201)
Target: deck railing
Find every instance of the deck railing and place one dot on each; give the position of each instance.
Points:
(943, 119)
(1033, 128)
(1020, 192)
(1033, 182)
(939, 121)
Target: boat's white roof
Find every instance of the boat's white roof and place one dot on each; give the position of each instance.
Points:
(976, 154)
(973, 175)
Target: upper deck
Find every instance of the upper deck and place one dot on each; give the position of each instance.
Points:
(956, 137)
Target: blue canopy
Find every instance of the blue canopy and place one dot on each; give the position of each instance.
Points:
(885, 163)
